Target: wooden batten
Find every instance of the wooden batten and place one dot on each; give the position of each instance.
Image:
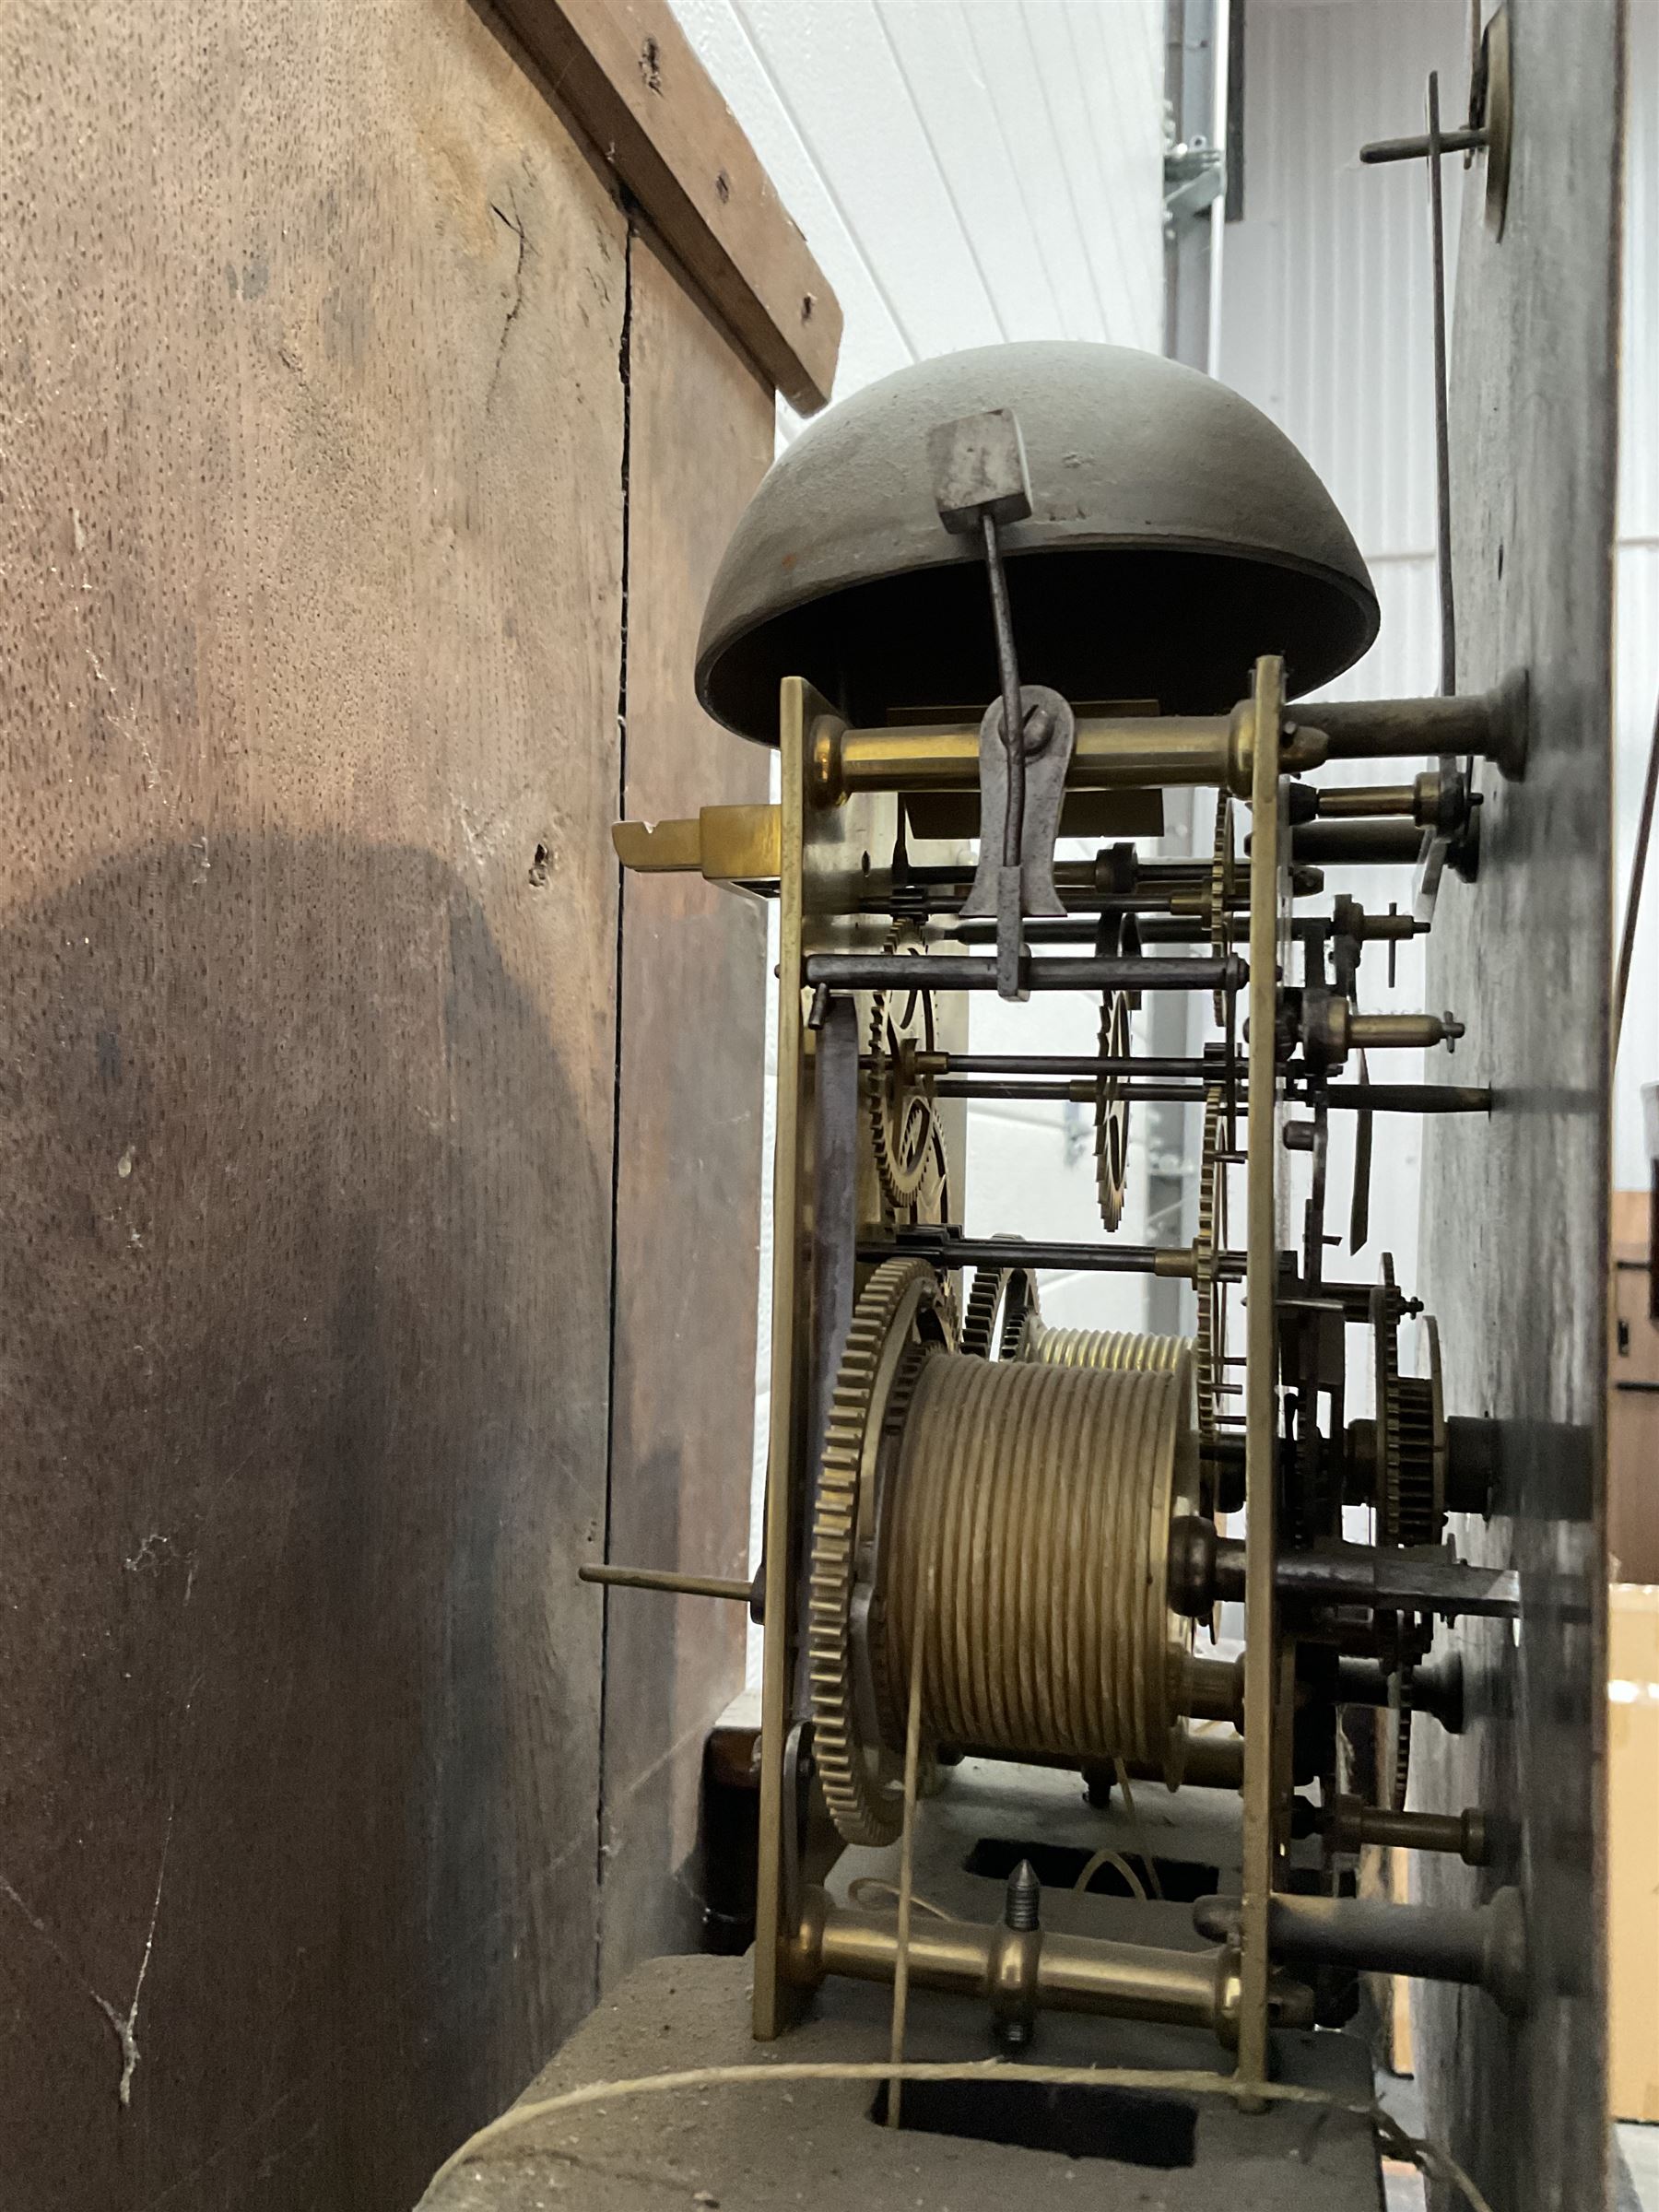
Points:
(628, 78)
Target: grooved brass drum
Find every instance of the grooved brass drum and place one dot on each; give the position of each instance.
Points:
(1021, 1507)
(1029, 1524)
(1109, 1350)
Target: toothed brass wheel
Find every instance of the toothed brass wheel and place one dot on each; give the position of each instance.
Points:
(904, 1311)
(1111, 1112)
(1002, 1310)
(904, 1134)
(1118, 938)
(1399, 1783)
(1421, 1431)
(1411, 1430)
(1222, 890)
(1211, 1347)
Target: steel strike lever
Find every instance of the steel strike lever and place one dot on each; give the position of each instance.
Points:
(1027, 733)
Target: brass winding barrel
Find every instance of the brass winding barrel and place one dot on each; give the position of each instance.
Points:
(1028, 1518)
(1109, 1350)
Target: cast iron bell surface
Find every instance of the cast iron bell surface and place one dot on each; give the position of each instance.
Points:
(1175, 535)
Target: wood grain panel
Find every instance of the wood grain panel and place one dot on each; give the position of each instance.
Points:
(1516, 1212)
(693, 1002)
(310, 430)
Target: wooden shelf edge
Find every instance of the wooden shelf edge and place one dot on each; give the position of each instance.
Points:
(631, 80)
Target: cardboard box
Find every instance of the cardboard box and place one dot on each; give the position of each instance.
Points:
(1633, 1851)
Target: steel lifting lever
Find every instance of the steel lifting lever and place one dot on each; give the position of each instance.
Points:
(1027, 732)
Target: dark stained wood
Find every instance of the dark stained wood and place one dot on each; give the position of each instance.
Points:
(629, 76)
(693, 1001)
(1516, 1213)
(311, 434)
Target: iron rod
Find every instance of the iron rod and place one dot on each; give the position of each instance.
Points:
(1363, 1574)
(1414, 150)
(1381, 842)
(1442, 435)
(1072, 875)
(1365, 803)
(948, 1250)
(952, 971)
(1079, 1092)
(1039, 1063)
(1409, 729)
(1483, 1944)
(1465, 1834)
(737, 1588)
(1436, 1687)
(1376, 1098)
(1155, 926)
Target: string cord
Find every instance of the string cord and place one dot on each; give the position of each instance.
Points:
(906, 1853)
(1148, 1861)
(867, 1885)
(1105, 1856)
(1429, 2157)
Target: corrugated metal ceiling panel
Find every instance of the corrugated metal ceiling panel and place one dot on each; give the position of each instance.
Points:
(966, 171)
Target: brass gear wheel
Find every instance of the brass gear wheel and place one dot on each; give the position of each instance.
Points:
(1211, 1346)
(891, 1704)
(1111, 1112)
(948, 1314)
(903, 1303)
(1400, 1776)
(1002, 1307)
(1405, 1474)
(1420, 1428)
(1117, 937)
(978, 1322)
(904, 1133)
(932, 1202)
(1411, 1478)
(1022, 1312)
(1222, 888)
(1418, 1519)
